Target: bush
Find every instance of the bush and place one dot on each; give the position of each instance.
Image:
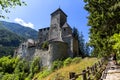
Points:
(18, 69)
(45, 45)
(76, 60)
(10, 77)
(35, 65)
(44, 73)
(56, 65)
(118, 61)
(67, 61)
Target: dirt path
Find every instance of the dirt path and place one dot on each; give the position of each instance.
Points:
(112, 72)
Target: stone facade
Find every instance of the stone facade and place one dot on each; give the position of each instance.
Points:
(59, 30)
(61, 42)
(43, 34)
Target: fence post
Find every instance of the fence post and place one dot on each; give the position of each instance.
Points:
(93, 70)
(72, 75)
(84, 75)
(99, 63)
(95, 67)
(88, 70)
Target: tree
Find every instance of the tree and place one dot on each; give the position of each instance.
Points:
(81, 42)
(6, 4)
(104, 21)
(115, 40)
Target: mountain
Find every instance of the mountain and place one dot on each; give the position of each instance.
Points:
(8, 41)
(11, 35)
(20, 30)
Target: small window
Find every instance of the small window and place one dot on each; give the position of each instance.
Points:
(64, 29)
(40, 30)
(47, 28)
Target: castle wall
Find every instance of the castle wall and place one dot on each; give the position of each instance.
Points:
(30, 53)
(66, 31)
(43, 34)
(68, 40)
(57, 50)
(24, 52)
(43, 54)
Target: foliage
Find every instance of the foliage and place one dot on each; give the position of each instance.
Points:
(104, 21)
(18, 69)
(20, 30)
(56, 65)
(83, 47)
(10, 77)
(45, 45)
(115, 40)
(67, 61)
(8, 42)
(6, 4)
(63, 73)
(44, 73)
(76, 60)
(35, 65)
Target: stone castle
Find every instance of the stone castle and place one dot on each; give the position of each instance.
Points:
(59, 36)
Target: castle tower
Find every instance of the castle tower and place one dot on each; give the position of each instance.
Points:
(58, 19)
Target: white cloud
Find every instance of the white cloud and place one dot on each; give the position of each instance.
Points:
(22, 22)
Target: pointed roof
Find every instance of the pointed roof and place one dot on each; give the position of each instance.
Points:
(66, 25)
(58, 10)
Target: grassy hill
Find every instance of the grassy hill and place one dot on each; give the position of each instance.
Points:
(63, 73)
(18, 69)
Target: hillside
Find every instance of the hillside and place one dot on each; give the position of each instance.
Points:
(18, 69)
(8, 41)
(11, 35)
(73, 65)
(20, 30)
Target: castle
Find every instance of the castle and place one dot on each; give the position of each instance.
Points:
(59, 36)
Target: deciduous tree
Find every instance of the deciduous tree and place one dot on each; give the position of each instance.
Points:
(104, 19)
(6, 4)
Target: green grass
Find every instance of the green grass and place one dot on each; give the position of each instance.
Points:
(63, 73)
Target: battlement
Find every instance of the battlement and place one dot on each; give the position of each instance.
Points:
(44, 29)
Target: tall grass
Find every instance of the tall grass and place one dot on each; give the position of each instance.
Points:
(63, 73)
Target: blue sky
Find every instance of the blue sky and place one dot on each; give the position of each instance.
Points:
(37, 14)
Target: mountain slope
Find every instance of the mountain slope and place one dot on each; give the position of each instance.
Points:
(11, 35)
(8, 42)
(20, 30)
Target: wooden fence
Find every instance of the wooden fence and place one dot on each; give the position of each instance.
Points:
(90, 71)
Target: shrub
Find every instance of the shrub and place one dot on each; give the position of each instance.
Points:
(10, 77)
(56, 65)
(44, 73)
(76, 60)
(45, 45)
(67, 61)
(35, 65)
